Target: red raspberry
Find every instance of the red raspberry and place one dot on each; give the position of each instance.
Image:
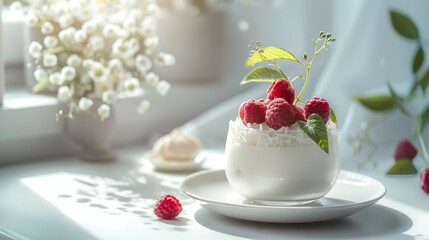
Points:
(167, 207)
(319, 106)
(281, 88)
(299, 112)
(280, 114)
(252, 111)
(424, 180)
(405, 150)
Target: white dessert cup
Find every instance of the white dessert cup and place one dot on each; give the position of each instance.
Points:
(282, 167)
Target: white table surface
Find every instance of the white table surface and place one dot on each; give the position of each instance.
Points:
(67, 198)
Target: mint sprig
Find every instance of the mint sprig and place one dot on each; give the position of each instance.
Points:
(316, 129)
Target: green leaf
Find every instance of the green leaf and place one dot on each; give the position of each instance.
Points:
(404, 25)
(424, 82)
(332, 116)
(402, 167)
(40, 86)
(399, 101)
(425, 118)
(377, 102)
(419, 57)
(315, 128)
(269, 53)
(262, 74)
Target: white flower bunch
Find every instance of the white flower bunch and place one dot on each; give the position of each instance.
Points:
(95, 50)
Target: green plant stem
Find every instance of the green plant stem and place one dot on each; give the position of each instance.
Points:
(425, 154)
(308, 68)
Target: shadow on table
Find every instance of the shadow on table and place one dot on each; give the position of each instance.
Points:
(372, 222)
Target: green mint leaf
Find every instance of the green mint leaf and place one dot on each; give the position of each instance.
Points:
(377, 102)
(424, 82)
(332, 116)
(419, 57)
(424, 118)
(402, 167)
(269, 53)
(399, 101)
(316, 129)
(40, 86)
(404, 25)
(262, 74)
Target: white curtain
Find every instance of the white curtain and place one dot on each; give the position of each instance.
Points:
(2, 83)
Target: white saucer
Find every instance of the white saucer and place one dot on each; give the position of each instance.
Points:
(352, 193)
(175, 165)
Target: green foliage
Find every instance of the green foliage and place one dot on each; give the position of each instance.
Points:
(399, 101)
(402, 167)
(262, 74)
(269, 54)
(377, 102)
(332, 116)
(424, 81)
(316, 129)
(404, 25)
(419, 58)
(424, 118)
(40, 86)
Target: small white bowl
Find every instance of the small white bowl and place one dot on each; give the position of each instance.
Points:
(282, 167)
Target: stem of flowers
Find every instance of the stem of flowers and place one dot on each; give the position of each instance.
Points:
(327, 41)
(425, 154)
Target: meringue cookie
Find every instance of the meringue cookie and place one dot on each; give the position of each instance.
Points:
(177, 146)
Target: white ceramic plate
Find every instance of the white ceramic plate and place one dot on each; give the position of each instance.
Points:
(352, 193)
(175, 165)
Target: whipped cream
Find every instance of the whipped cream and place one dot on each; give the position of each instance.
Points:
(177, 146)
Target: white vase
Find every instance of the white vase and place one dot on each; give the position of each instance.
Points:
(196, 41)
(93, 136)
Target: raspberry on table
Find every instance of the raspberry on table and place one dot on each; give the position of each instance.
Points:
(299, 112)
(405, 150)
(167, 207)
(280, 114)
(281, 88)
(317, 105)
(252, 111)
(424, 180)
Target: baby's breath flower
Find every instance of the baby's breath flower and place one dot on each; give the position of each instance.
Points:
(143, 107)
(67, 35)
(56, 79)
(162, 87)
(131, 84)
(85, 103)
(32, 20)
(151, 79)
(165, 59)
(74, 60)
(50, 41)
(89, 26)
(47, 28)
(96, 43)
(50, 60)
(65, 21)
(40, 74)
(151, 42)
(115, 64)
(143, 63)
(80, 36)
(152, 9)
(103, 111)
(148, 26)
(35, 49)
(111, 31)
(98, 72)
(109, 96)
(68, 73)
(64, 93)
